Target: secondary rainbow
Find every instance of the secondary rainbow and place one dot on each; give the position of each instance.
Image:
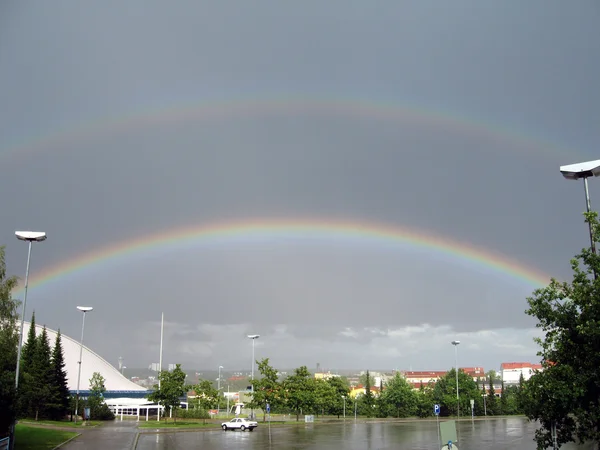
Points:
(274, 230)
(281, 105)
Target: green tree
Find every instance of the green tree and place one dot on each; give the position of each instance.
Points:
(503, 408)
(207, 397)
(444, 393)
(99, 410)
(492, 400)
(42, 391)
(521, 395)
(26, 372)
(172, 389)
(29, 348)
(267, 388)
(9, 339)
(567, 392)
(59, 381)
(341, 389)
(398, 399)
(510, 394)
(300, 391)
(367, 401)
(425, 401)
(325, 397)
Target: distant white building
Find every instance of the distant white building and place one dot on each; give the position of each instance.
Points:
(114, 381)
(511, 372)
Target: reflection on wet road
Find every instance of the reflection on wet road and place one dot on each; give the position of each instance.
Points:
(494, 434)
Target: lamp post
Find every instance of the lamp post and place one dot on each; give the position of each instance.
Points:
(31, 237)
(583, 170)
(219, 390)
(455, 343)
(227, 401)
(219, 380)
(254, 337)
(83, 309)
(344, 397)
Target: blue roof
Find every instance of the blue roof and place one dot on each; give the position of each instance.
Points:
(116, 394)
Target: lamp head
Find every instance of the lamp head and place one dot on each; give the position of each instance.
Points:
(455, 342)
(85, 308)
(253, 336)
(31, 236)
(581, 170)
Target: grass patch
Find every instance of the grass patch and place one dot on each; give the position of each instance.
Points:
(60, 423)
(179, 424)
(36, 438)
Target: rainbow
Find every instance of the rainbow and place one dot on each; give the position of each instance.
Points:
(354, 108)
(302, 230)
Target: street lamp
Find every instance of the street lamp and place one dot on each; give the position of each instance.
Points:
(219, 379)
(31, 237)
(219, 390)
(455, 343)
(344, 397)
(83, 309)
(583, 170)
(254, 337)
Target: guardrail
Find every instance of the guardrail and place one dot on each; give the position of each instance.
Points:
(4, 443)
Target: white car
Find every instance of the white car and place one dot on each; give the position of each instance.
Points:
(239, 423)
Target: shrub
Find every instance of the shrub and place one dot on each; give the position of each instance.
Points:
(195, 413)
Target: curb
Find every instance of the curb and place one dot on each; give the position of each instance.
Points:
(67, 441)
(135, 441)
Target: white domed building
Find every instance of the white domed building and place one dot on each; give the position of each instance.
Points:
(122, 395)
(114, 381)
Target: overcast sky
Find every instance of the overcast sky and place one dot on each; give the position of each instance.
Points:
(452, 119)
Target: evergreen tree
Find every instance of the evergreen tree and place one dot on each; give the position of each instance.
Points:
(503, 400)
(26, 375)
(367, 400)
(59, 381)
(28, 350)
(492, 401)
(43, 394)
(9, 339)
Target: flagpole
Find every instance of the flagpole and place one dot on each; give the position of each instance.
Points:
(162, 327)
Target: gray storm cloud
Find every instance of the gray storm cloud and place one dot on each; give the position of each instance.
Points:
(518, 80)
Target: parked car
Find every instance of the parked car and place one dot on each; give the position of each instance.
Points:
(239, 423)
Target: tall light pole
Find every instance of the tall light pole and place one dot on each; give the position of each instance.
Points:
(577, 172)
(344, 397)
(219, 379)
(455, 343)
(83, 309)
(219, 390)
(254, 337)
(31, 237)
(162, 328)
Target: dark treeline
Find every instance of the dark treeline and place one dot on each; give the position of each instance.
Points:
(43, 390)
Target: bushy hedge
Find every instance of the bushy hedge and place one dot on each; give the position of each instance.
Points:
(195, 413)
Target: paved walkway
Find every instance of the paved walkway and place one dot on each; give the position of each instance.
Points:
(117, 435)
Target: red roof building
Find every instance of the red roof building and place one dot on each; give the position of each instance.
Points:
(512, 371)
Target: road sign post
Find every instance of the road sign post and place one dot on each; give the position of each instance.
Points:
(436, 411)
(268, 409)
